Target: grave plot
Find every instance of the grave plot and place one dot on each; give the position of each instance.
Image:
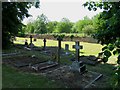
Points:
(43, 66)
(90, 60)
(22, 61)
(72, 79)
(10, 54)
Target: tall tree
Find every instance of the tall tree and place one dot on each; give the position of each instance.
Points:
(65, 26)
(12, 15)
(41, 24)
(108, 31)
(51, 26)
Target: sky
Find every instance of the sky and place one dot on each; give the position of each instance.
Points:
(55, 10)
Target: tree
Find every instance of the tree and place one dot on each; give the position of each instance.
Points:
(41, 24)
(65, 26)
(51, 26)
(12, 15)
(78, 27)
(108, 31)
(88, 29)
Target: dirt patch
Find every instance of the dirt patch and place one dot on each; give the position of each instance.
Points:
(22, 61)
(72, 79)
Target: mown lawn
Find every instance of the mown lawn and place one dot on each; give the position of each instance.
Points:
(13, 78)
(88, 48)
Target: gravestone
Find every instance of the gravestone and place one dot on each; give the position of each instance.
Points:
(31, 44)
(77, 47)
(44, 40)
(35, 37)
(26, 43)
(78, 67)
(66, 47)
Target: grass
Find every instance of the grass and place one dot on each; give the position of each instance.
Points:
(12, 78)
(88, 48)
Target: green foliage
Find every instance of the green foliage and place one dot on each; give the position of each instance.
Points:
(65, 26)
(51, 26)
(59, 37)
(40, 24)
(12, 15)
(88, 29)
(108, 27)
(71, 37)
(116, 77)
(83, 26)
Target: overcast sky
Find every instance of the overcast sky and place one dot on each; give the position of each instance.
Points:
(55, 10)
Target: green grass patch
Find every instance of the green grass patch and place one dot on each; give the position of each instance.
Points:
(12, 78)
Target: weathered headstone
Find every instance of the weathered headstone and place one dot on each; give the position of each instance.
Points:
(26, 43)
(44, 40)
(77, 47)
(78, 67)
(66, 47)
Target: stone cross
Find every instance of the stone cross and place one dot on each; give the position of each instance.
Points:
(44, 40)
(77, 47)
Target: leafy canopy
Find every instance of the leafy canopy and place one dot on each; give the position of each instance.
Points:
(12, 15)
